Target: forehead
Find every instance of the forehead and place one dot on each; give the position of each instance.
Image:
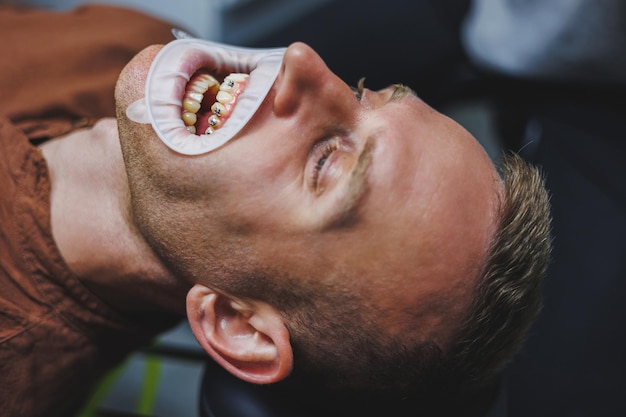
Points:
(432, 191)
(421, 155)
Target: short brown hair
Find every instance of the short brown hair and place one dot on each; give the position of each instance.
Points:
(507, 297)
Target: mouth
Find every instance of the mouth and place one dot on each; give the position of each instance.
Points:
(207, 103)
(199, 94)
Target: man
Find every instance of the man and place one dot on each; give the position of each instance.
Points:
(363, 240)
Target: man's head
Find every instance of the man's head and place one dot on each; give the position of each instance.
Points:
(348, 231)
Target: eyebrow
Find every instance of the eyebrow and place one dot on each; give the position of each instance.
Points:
(347, 214)
(400, 91)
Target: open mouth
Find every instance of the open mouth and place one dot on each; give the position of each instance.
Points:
(207, 103)
(199, 94)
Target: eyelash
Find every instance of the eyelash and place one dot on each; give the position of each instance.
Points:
(358, 90)
(332, 145)
(327, 150)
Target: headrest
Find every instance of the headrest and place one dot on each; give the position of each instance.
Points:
(224, 395)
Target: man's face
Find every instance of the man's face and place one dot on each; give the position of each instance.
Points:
(383, 191)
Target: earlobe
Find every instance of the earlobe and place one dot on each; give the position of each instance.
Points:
(249, 339)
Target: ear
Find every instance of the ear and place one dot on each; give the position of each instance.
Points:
(249, 339)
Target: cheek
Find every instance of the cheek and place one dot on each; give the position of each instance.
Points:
(261, 171)
(255, 207)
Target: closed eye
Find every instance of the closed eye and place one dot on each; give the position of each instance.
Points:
(322, 152)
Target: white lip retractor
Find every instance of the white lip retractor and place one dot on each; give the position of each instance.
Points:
(172, 69)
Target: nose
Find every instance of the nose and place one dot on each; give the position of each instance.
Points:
(305, 80)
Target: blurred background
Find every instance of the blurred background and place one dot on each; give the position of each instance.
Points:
(236, 21)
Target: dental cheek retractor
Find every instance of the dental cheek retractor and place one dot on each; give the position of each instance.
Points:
(173, 68)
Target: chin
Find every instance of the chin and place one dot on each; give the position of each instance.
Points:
(131, 82)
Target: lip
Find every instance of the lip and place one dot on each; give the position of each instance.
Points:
(172, 69)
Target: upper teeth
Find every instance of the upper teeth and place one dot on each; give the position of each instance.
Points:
(167, 83)
(225, 94)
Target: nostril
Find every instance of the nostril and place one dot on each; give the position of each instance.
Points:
(303, 71)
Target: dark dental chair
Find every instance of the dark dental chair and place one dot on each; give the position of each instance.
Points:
(223, 395)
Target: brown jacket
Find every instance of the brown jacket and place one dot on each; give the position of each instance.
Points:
(57, 73)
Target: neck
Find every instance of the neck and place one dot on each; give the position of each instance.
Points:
(92, 223)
